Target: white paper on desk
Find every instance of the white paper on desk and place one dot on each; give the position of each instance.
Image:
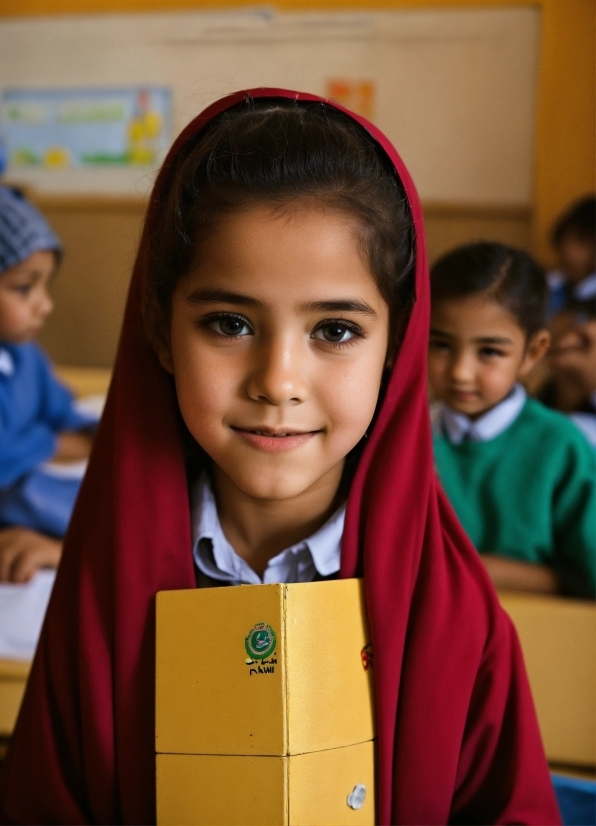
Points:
(22, 609)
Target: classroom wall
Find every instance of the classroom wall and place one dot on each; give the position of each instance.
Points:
(506, 183)
(454, 89)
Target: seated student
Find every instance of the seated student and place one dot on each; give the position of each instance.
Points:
(282, 364)
(520, 477)
(572, 366)
(574, 241)
(41, 432)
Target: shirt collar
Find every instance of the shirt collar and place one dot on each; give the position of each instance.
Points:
(457, 426)
(586, 289)
(219, 560)
(6, 362)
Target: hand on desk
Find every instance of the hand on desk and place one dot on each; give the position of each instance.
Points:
(512, 575)
(73, 445)
(574, 355)
(23, 552)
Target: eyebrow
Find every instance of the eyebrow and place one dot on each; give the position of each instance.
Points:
(480, 340)
(209, 295)
(345, 305)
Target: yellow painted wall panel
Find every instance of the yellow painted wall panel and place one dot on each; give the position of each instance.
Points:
(302, 790)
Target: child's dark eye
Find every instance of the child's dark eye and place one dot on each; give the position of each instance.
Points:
(438, 345)
(490, 352)
(22, 289)
(229, 325)
(337, 332)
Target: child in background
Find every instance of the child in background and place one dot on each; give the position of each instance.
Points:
(572, 367)
(574, 241)
(520, 477)
(269, 423)
(41, 432)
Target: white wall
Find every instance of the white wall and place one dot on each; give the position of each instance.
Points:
(456, 89)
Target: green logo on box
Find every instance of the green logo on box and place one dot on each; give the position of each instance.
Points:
(260, 641)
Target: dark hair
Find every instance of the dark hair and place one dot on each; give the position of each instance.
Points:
(281, 153)
(508, 275)
(578, 220)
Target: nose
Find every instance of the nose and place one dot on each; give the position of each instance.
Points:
(462, 367)
(278, 374)
(45, 304)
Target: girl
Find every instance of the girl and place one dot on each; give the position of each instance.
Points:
(520, 477)
(274, 272)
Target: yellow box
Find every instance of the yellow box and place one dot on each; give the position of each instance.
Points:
(558, 638)
(306, 686)
(303, 790)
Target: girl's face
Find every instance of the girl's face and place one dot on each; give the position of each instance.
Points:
(25, 301)
(278, 342)
(477, 352)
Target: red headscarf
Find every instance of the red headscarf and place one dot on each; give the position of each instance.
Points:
(457, 734)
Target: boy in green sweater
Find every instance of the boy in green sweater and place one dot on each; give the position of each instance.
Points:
(521, 478)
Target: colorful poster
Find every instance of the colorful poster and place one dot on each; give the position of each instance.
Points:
(85, 127)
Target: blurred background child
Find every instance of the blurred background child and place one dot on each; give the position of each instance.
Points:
(520, 477)
(574, 241)
(571, 387)
(44, 439)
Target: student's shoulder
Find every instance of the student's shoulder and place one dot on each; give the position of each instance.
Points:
(554, 430)
(27, 355)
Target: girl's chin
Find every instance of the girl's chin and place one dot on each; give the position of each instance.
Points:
(262, 482)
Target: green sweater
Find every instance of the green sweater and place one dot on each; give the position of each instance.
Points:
(529, 494)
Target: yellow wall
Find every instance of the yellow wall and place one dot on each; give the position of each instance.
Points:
(565, 155)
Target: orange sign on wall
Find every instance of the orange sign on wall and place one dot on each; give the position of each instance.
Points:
(357, 95)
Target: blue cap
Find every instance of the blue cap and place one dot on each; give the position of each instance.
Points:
(23, 229)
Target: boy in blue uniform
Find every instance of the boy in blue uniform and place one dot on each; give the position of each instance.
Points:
(42, 434)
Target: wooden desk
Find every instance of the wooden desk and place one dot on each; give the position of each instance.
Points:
(13, 678)
(558, 638)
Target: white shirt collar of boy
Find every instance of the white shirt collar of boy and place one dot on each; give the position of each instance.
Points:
(457, 426)
(6, 363)
(216, 558)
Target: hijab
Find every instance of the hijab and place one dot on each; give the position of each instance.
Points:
(458, 739)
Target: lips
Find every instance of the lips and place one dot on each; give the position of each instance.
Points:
(275, 439)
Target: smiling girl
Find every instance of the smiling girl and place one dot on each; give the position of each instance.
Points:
(268, 422)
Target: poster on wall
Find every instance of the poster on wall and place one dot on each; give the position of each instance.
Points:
(357, 95)
(63, 128)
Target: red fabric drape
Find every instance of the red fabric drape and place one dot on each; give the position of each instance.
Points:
(457, 734)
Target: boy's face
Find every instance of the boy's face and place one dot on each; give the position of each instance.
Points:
(477, 352)
(278, 342)
(25, 301)
(576, 257)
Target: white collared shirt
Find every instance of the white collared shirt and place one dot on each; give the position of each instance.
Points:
(216, 558)
(6, 362)
(457, 426)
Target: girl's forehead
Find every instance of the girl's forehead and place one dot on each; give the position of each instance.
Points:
(280, 255)
(470, 315)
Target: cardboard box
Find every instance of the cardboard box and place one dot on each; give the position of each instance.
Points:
(308, 688)
(304, 790)
(264, 705)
